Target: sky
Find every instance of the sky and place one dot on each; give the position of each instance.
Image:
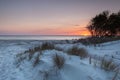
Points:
(51, 17)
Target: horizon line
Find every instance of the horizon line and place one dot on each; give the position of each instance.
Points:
(43, 35)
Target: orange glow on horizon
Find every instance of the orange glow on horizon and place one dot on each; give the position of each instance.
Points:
(80, 31)
(84, 33)
(63, 30)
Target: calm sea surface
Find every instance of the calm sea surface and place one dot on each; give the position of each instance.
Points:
(6, 37)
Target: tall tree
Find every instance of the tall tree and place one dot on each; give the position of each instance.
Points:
(105, 24)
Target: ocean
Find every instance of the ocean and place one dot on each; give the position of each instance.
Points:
(39, 37)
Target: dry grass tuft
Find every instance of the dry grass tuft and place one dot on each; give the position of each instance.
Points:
(78, 52)
(107, 65)
(47, 46)
(37, 60)
(59, 61)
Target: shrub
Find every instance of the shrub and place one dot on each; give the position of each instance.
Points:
(36, 61)
(107, 65)
(38, 48)
(46, 46)
(96, 40)
(78, 52)
(30, 53)
(19, 60)
(59, 61)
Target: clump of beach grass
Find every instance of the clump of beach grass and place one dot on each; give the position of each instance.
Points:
(58, 61)
(78, 52)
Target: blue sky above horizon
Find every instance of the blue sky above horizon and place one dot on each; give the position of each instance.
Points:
(50, 17)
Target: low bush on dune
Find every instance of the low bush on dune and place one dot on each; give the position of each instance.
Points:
(58, 61)
(26, 55)
(47, 46)
(29, 54)
(78, 52)
(19, 58)
(38, 48)
(103, 62)
(107, 65)
(44, 46)
(36, 60)
(97, 40)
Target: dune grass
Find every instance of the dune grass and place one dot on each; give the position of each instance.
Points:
(47, 46)
(78, 52)
(58, 61)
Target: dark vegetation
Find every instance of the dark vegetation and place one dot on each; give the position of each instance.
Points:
(105, 24)
(78, 52)
(97, 40)
(104, 27)
(104, 63)
(59, 61)
(28, 54)
(47, 46)
(108, 65)
(36, 60)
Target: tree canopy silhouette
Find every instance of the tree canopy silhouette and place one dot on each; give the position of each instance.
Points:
(105, 24)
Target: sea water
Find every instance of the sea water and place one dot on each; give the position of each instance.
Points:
(39, 37)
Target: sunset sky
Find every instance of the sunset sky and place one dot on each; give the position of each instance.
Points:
(50, 17)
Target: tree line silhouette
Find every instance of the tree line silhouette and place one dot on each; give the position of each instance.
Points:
(105, 24)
